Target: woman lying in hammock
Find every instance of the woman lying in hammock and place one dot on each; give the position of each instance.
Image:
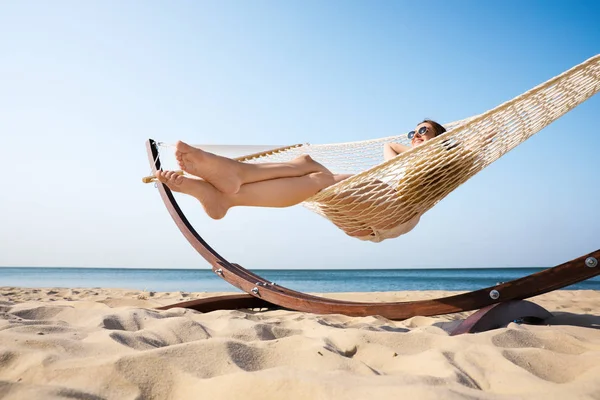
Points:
(229, 183)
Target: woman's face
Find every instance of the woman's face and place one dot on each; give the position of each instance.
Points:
(423, 132)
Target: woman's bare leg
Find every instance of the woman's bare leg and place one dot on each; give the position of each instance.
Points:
(355, 211)
(229, 175)
(282, 192)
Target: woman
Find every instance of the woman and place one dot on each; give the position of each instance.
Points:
(228, 183)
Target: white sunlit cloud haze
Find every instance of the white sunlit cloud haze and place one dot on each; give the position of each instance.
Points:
(83, 85)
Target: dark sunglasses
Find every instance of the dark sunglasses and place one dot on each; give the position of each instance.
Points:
(422, 130)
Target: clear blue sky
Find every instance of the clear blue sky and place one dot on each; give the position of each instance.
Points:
(84, 84)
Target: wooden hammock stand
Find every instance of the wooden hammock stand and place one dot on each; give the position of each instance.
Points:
(497, 305)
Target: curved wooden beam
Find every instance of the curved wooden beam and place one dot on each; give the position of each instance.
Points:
(532, 285)
(491, 317)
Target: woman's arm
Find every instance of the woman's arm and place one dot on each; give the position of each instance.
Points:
(391, 150)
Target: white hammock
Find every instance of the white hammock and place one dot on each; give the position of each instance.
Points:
(386, 198)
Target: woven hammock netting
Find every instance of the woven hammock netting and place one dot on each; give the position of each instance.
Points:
(384, 195)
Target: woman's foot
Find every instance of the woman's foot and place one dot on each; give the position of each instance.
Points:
(214, 202)
(221, 172)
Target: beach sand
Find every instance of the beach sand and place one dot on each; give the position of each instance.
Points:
(94, 344)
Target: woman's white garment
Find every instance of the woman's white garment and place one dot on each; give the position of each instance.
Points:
(379, 235)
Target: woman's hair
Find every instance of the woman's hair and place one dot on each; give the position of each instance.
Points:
(439, 129)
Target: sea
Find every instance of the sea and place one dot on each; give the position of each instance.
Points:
(323, 281)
